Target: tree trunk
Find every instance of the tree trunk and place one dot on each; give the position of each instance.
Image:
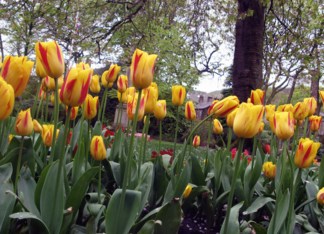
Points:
(247, 66)
(316, 76)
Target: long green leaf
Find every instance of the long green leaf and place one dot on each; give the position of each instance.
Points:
(39, 186)
(145, 182)
(257, 204)
(36, 225)
(233, 224)
(197, 175)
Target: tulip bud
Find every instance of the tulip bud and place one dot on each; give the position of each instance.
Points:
(48, 84)
(306, 152)
(40, 71)
(47, 134)
(51, 57)
(98, 148)
(7, 95)
(151, 95)
(111, 74)
(187, 191)
(269, 109)
(36, 126)
(285, 108)
(160, 109)
(24, 123)
(225, 106)
(131, 107)
(230, 118)
(75, 87)
(300, 111)
(190, 112)
(311, 104)
(315, 122)
(217, 127)
(320, 197)
(282, 124)
(257, 97)
(122, 83)
(248, 120)
(210, 108)
(16, 72)
(142, 69)
(196, 141)
(74, 112)
(269, 170)
(178, 95)
(94, 84)
(129, 92)
(90, 107)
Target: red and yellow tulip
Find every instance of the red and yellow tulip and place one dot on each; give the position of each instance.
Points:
(320, 197)
(7, 95)
(217, 127)
(196, 141)
(24, 123)
(306, 152)
(160, 109)
(47, 134)
(282, 124)
(111, 74)
(225, 106)
(190, 112)
(151, 95)
(131, 107)
(315, 122)
(95, 84)
(178, 95)
(98, 148)
(122, 83)
(300, 110)
(257, 97)
(269, 170)
(311, 104)
(90, 107)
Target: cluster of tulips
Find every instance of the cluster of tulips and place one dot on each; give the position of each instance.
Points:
(65, 176)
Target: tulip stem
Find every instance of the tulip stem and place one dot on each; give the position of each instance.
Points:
(208, 142)
(120, 111)
(255, 142)
(176, 132)
(21, 147)
(56, 115)
(231, 194)
(99, 184)
(46, 109)
(104, 106)
(305, 127)
(160, 138)
(145, 136)
(294, 184)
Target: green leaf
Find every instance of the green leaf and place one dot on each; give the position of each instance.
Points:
(118, 143)
(145, 182)
(233, 224)
(95, 211)
(97, 129)
(127, 214)
(78, 162)
(148, 227)
(39, 186)
(36, 225)
(197, 175)
(7, 202)
(321, 175)
(26, 189)
(52, 200)
(257, 204)
(169, 217)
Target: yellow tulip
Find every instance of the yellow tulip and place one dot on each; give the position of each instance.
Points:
(75, 87)
(47, 134)
(111, 74)
(122, 83)
(225, 106)
(48, 84)
(51, 57)
(210, 108)
(306, 152)
(40, 71)
(82, 65)
(160, 109)
(16, 72)
(300, 111)
(269, 111)
(196, 141)
(24, 123)
(230, 118)
(282, 124)
(190, 112)
(36, 126)
(90, 107)
(257, 97)
(320, 197)
(98, 148)
(321, 93)
(315, 122)
(151, 95)
(311, 104)
(261, 127)
(178, 95)
(7, 95)
(74, 112)
(187, 191)
(269, 170)
(217, 127)
(129, 92)
(285, 108)
(248, 120)
(94, 84)
(142, 69)
(131, 107)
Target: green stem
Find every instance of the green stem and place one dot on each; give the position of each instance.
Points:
(160, 138)
(229, 138)
(305, 127)
(208, 142)
(191, 139)
(56, 115)
(99, 184)
(104, 106)
(176, 132)
(87, 144)
(120, 112)
(145, 136)
(140, 156)
(231, 194)
(255, 142)
(46, 108)
(21, 147)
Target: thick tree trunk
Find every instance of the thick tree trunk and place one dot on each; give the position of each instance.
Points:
(247, 66)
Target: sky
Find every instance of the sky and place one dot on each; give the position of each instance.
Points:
(210, 84)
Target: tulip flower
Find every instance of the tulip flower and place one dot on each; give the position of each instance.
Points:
(24, 123)
(306, 152)
(75, 86)
(269, 111)
(282, 124)
(300, 111)
(47, 134)
(7, 95)
(160, 109)
(142, 69)
(74, 112)
(196, 141)
(16, 72)
(98, 148)
(321, 93)
(90, 107)
(51, 57)
(37, 127)
(94, 84)
(82, 66)
(151, 95)
(190, 112)
(311, 104)
(122, 83)
(257, 97)
(111, 74)
(320, 197)
(225, 106)
(248, 120)
(210, 108)
(269, 170)
(129, 92)
(40, 71)
(315, 122)
(285, 108)
(230, 118)
(217, 127)
(131, 107)
(178, 95)
(187, 191)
